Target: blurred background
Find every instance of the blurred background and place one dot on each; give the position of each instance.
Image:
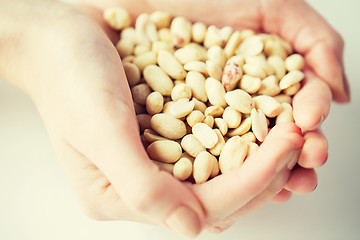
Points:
(37, 203)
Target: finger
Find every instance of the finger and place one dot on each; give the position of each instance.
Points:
(312, 36)
(315, 150)
(311, 103)
(283, 196)
(237, 187)
(302, 180)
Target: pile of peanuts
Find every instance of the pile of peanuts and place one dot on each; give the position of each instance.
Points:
(205, 97)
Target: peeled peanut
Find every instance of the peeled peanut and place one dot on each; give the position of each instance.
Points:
(132, 73)
(215, 92)
(203, 165)
(161, 19)
(183, 169)
(232, 44)
(117, 18)
(197, 66)
(237, 59)
(140, 92)
(259, 124)
(232, 117)
(214, 111)
(192, 145)
(250, 84)
(158, 80)
(199, 105)
(239, 100)
(268, 105)
(181, 108)
(213, 69)
(168, 126)
(188, 54)
(140, 29)
(278, 64)
(151, 136)
(168, 167)
(252, 148)
(221, 125)
(205, 135)
(292, 89)
(232, 154)
(216, 150)
(270, 86)
(254, 70)
(243, 128)
(165, 35)
(286, 114)
(209, 120)
(291, 78)
(161, 45)
(171, 65)
(194, 117)
(217, 55)
(140, 49)
(125, 47)
(283, 98)
(181, 90)
(198, 32)
(154, 103)
(145, 59)
(196, 81)
(294, 62)
(249, 137)
(251, 46)
(167, 151)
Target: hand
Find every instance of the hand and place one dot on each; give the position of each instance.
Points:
(310, 35)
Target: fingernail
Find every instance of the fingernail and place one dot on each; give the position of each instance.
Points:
(289, 160)
(184, 221)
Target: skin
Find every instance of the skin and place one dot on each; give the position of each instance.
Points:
(63, 57)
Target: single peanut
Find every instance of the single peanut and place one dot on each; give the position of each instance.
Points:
(168, 126)
(221, 125)
(214, 111)
(181, 31)
(158, 80)
(232, 154)
(205, 135)
(196, 82)
(181, 90)
(268, 105)
(117, 18)
(239, 100)
(209, 120)
(151, 136)
(243, 128)
(132, 73)
(198, 32)
(232, 117)
(203, 165)
(171, 65)
(215, 92)
(167, 151)
(194, 117)
(183, 169)
(213, 69)
(181, 108)
(140, 92)
(154, 103)
(259, 124)
(250, 84)
(216, 150)
(286, 115)
(291, 78)
(192, 145)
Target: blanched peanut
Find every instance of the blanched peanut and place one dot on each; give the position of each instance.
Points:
(286, 114)
(259, 124)
(254, 70)
(158, 80)
(165, 35)
(221, 125)
(199, 105)
(161, 19)
(246, 33)
(145, 59)
(151, 136)
(294, 62)
(249, 137)
(117, 18)
(181, 31)
(252, 148)
(243, 128)
(293, 89)
(213, 69)
(196, 82)
(128, 33)
(140, 92)
(154, 103)
(215, 170)
(283, 98)
(161, 45)
(269, 86)
(215, 92)
(181, 90)
(187, 156)
(167, 151)
(231, 75)
(168, 167)
(291, 78)
(168, 126)
(198, 32)
(181, 108)
(268, 105)
(232, 117)
(278, 64)
(251, 46)
(140, 29)
(209, 120)
(144, 121)
(274, 47)
(239, 100)
(250, 84)
(260, 61)
(125, 47)
(171, 65)
(203, 165)
(188, 54)
(140, 49)
(205, 135)
(192, 145)
(167, 107)
(132, 73)
(183, 169)
(212, 37)
(217, 55)
(198, 66)
(216, 150)
(194, 117)
(237, 59)
(214, 111)
(232, 44)
(233, 154)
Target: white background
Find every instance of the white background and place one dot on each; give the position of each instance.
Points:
(36, 202)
